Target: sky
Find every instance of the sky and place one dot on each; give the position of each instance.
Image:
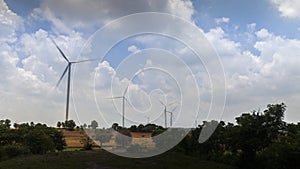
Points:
(250, 58)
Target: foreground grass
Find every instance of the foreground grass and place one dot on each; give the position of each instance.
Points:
(103, 160)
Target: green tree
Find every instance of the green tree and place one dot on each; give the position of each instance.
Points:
(94, 124)
(116, 126)
(133, 128)
(58, 124)
(150, 127)
(86, 140)
(70, 125)
(103, 135)
(274, 115)
(57, 138)
(38, 142)
(5, 123)
(257, 131)
(63, 124)
(16, 125)
(7, 136)
(140, 128)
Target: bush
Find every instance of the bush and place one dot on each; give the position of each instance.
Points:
(9, 151)
(87, 143)
(280, 155)
(38, 142)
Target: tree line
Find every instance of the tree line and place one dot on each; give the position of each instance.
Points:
(257, 140)
(27, 138)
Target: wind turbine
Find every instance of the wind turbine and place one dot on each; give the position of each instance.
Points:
(148, 119)
(123, 104)
(165, 110)
(67, 69)
(171, 117)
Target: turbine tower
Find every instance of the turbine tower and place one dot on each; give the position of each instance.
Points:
(171, 117)
(165, 110)
(148, 119)
(123, 104)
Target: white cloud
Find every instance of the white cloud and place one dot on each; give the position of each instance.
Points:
(133, 49)
(263, 34)
(25, 95)
(33, 65)
(30, 67)
(288, 8)
(251, 26)
(182, 8)
(280, 55)
(9, 23)
(255, 81)
(222, 20)
(67, 15)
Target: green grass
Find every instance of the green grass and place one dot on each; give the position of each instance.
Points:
(103, 160)
(73, 149)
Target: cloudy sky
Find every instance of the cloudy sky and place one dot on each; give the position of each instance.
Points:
(257, 44)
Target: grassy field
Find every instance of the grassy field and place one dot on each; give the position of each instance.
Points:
(101, 159)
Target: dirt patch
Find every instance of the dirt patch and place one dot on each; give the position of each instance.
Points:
(74, 138)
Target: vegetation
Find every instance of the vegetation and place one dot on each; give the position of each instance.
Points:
(28, 139)
(94, 124)
(70, 125)
(87, 143)
(257, 140)
(148, 128)
(103, 135)
(103, 160)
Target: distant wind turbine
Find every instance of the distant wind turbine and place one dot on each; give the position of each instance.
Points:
(171, 117)
(148, 119)
(123, 104)
(68, 69)
(165, 110)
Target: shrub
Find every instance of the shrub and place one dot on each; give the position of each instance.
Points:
(38, 142)
(9, 151)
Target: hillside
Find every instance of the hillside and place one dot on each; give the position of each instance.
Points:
(74, 139)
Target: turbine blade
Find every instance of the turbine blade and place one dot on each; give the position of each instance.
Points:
(162, 103)
(62, 76)
(130, 104)
(87, 60)
(174, 109)
(119, 97)
(125, 91)
(61, 52)
(172, 103)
